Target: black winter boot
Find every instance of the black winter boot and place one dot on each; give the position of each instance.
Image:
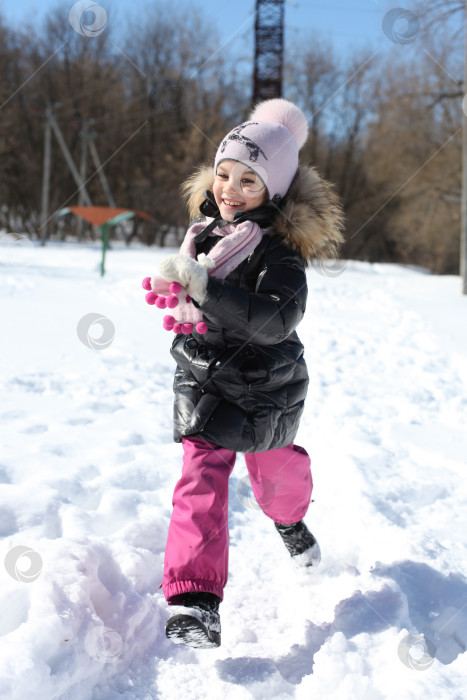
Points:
(195, 620)
(300, 543)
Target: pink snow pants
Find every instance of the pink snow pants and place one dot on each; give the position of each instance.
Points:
(197, 551)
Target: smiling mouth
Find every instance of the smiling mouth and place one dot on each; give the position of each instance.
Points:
(231, 203)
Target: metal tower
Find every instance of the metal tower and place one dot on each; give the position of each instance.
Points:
(269, 49)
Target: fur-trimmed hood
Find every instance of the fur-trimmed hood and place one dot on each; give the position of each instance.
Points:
(310, 218)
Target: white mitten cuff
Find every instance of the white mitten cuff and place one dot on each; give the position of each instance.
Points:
(190, 273)
(175, 268)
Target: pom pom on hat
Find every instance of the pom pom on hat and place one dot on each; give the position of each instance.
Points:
(285, 113)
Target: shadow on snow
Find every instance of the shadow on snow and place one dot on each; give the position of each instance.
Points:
(419, 599)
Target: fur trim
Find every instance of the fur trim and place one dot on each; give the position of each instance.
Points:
(193, 188)
(310, 218)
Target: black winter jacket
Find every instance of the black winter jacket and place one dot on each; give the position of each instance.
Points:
(243, 384)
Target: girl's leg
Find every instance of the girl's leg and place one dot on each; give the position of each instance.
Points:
(281, 482)
(196, 555)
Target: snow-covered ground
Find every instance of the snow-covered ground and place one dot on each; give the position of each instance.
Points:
(88, 466)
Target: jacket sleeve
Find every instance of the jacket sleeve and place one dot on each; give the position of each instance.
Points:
(269, 314)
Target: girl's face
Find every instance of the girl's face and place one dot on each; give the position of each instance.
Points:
(237, 188)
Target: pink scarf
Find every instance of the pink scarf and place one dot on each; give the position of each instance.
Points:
(237, 243)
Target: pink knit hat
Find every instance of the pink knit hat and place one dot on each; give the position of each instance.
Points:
(268, 143)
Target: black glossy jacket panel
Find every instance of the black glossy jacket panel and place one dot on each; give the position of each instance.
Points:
(242, 385)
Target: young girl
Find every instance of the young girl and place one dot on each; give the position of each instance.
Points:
(241, 379)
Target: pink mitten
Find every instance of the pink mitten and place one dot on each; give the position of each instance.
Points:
(165, 294)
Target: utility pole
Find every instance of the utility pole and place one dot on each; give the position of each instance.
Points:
(87, 140)
(69, 160)
(100, 170)
(463, 250)
(269, 49)
(83, 166)
(46, 178)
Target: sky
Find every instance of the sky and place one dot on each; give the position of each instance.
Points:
(346, 25)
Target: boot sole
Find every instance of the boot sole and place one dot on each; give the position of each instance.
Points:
(185, 629)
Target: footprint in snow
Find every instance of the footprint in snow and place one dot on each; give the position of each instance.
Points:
(100, 407)
(132, 439)
(35, 429)
(4, 475)
(15, 609)
(13, 415)
(79, 421)
(8, 523)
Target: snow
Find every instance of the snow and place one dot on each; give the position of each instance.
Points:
(88, 466)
